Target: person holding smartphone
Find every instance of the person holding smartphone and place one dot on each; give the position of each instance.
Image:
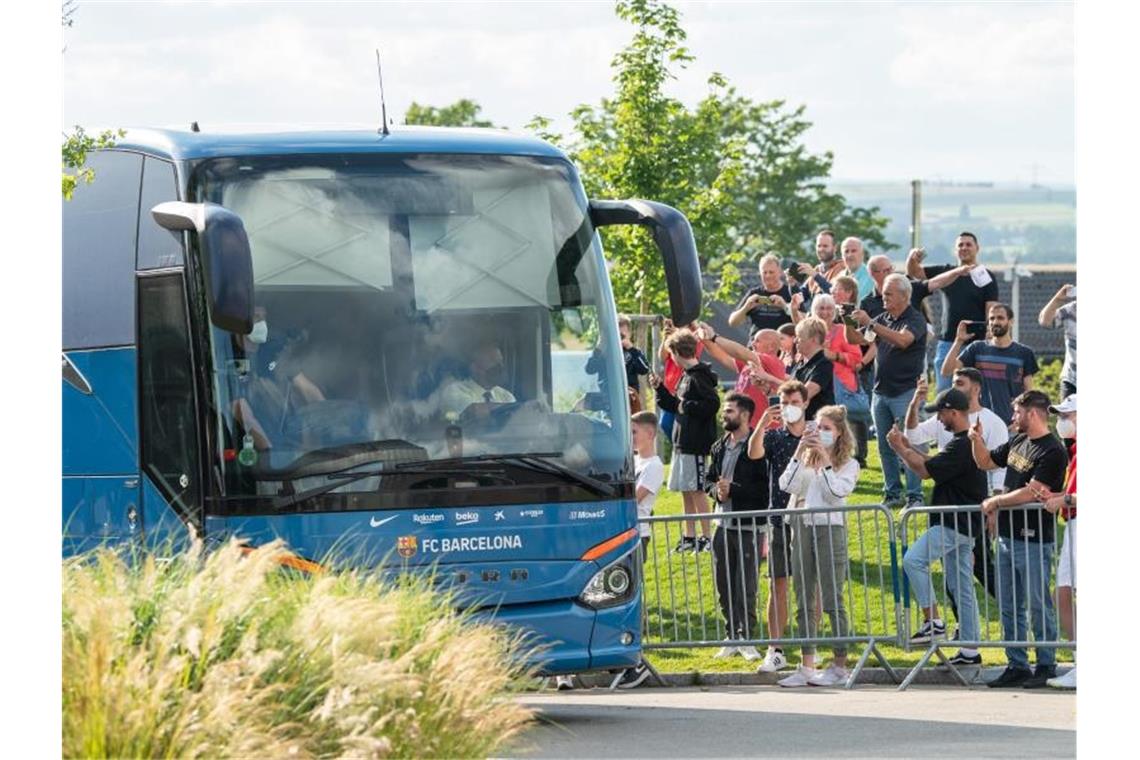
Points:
(968, 291)
(768, 304)
(1007, 366)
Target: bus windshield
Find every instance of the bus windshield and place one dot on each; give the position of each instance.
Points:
(411, 309)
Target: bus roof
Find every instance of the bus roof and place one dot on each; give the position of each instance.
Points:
(178, 145)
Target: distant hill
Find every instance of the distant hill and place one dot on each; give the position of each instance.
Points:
(1036, 223)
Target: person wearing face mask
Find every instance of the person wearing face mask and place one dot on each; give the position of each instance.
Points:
(775, 438)
(272, 384)
(480, 393)
(950, 537)
(1066, 504)
(822, 473)
(1007, 366)
(1035, 463)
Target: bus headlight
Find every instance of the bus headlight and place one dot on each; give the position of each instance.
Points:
(610, 586)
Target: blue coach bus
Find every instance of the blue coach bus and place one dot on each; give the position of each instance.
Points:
(393, 348)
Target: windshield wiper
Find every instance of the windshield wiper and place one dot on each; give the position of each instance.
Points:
(343, 478)
(537, 461)
(341, 458)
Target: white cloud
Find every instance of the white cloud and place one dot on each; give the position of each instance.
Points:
(974, 53)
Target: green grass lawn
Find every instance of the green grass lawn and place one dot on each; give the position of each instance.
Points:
(681, 605)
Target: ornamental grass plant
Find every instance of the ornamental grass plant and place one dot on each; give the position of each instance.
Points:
(226, 654)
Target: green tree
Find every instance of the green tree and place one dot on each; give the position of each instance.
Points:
(76, 146)
(737, 169)
(461, 113)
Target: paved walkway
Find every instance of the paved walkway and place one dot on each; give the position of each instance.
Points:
(743, 721)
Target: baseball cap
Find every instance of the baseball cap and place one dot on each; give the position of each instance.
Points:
(1066, 406)
(951, 398)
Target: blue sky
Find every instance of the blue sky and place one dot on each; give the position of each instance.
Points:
(968, 91)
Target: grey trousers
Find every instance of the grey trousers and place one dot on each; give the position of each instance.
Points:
(819, 557)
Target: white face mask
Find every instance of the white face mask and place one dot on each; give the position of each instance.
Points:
(791, 414)
(1066, 428)
(826, 437)
(260, 332)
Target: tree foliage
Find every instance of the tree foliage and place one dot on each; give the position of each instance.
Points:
(76, 146)
(736, 168)
(461, 113)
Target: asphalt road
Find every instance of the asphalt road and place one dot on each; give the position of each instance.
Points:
(766, 721)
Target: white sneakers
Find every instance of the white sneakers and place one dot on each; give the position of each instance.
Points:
(1067, 681)
(773, 662)
(725, 652)
(744, 650)
(801, 677)
(833, 676)
(564, 683)
(749, 653)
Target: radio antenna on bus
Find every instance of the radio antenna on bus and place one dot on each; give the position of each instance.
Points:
(383, 107)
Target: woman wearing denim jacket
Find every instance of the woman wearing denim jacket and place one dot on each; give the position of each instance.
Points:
(822, 473)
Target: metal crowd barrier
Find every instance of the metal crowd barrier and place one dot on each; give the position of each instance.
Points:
(1012, 572)
(721, 597)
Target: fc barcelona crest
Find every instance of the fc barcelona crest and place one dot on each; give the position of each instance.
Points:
(406, 546)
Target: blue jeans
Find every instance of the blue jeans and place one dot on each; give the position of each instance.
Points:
(1023, 572)
(885, 410)
(666, 420)
(858, 407)
(956, 552)
(940, 353)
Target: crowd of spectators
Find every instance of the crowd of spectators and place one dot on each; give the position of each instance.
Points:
(837, 353)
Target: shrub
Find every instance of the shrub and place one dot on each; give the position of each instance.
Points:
(228, 655)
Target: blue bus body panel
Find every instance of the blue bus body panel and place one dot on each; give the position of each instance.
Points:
(100, 431)
(97, 511)
(519, 564)
(189, 146)
(162, 528)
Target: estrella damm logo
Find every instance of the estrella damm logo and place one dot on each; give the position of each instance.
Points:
(406, 546)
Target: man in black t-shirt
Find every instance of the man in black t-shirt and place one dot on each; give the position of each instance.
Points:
(950, 537)
(1035, 460)
(766, 306)
(814, 369)
(968, 295)
(900, 340)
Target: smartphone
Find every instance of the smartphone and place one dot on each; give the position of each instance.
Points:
(921, 254)
(850, 321)
(1072, 291)
(773, 401)
(764, 301)
(794, 274)
(977, 329)
(809, 427)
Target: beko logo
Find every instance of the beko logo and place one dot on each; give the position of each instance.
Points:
(427, 519)
(466, 518)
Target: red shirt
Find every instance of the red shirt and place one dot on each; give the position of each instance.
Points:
(1071, 482)
(673, 370)
(759, 393)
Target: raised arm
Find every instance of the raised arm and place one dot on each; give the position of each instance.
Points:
(982, 456)
(916, 400)
(1049, 313)
(951, 362)
(740, 314)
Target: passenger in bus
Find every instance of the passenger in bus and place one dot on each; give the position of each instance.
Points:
(271, 383)
(481, 392)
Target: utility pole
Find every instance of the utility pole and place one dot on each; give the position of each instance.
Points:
(915, 213)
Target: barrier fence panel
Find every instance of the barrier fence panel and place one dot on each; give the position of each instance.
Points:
(746, 591)
(998, 576)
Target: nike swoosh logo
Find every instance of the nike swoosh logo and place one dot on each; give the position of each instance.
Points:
(377, 523)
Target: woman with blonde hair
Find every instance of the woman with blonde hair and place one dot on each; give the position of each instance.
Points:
(822, 473)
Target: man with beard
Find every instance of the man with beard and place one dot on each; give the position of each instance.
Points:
(1007, 366)
(950, 537)
(737, 483)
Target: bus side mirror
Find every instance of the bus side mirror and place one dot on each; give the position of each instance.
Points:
(674, 238)
(225, 254)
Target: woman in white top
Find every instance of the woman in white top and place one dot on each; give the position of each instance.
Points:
(822, 473)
